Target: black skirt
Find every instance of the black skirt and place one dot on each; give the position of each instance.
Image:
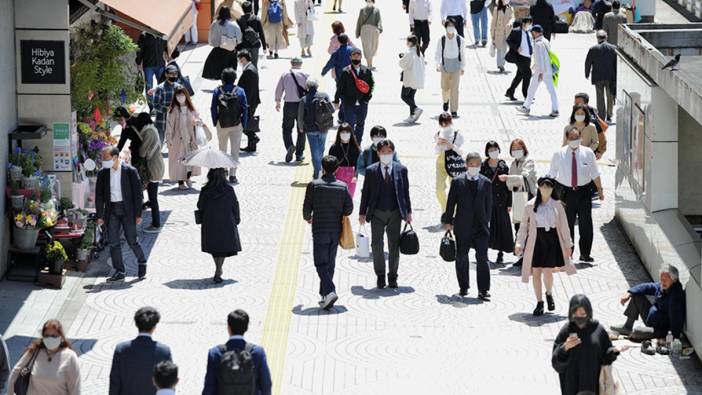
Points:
(547, 250)
(218, 60)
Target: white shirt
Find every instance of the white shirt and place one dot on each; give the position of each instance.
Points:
(450, 51)
(116, 185)
(542, 62)
(386, 169)
(165, 391)
(561, 166)
(546, 215)
(419, 10)
(453, 7)
(524, 46)
(147, 334)
(457, 143)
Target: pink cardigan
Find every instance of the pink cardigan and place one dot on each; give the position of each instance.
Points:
(527, 234)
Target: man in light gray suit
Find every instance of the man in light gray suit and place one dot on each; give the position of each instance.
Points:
(134, 360)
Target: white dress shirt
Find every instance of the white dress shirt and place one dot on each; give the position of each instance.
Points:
(524, 46)
(546, 215)
(453, 7)
(561, 166)
(420, 10)
(116, 185)
(450, 51)
(386, 169)
(454, 138)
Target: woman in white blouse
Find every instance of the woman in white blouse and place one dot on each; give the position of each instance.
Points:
(52, 363)
(548, 246)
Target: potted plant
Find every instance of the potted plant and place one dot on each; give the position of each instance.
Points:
(26, 229)
(56, 257)
(86, 246)
(16, 197)
(30, 162)
(15, 172)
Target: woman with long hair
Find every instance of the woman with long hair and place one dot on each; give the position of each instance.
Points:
(225, 34)
(180, 137)
(580, 120)
(346, 151)
(51, 362)
(501, 237)
(413, 71)
(500, 28)
(219, 213)
(544, 238)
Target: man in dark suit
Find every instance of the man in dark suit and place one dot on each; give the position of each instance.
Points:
(248, 81)
(238, 324)
(385, 202)
(133, 361)
(468, 214)
(601, 66)
(249, 41)
(119, 199)
(354, 102)
(521, 49)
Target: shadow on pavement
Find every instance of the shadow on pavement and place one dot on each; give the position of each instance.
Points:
(510, 271)
(176, 192)
(531, 320)
(458, 302)
(310, 311)
(111, 286)
(198, 283)
(375, 293)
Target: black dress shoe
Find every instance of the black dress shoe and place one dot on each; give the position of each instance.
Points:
(141, 271)
(445, 107)
(392, 283)
(217, 279)
(586, 258)
(233, 180)
(463, 292)
(500, 258)
(539, 310)
(454, 115)
(484, 295)
(550, 303)
(115, 277)
(381, 282)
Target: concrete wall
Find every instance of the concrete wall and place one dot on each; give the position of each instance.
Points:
(8, 109)
(689, 164)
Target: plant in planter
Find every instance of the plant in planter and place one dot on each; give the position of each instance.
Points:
(30, 162)
(55, 256)
(16, 196)
(26, 229)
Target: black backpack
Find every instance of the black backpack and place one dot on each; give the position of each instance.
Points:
(236, 374)
(251, 37)
(228, 108)
(323, 113)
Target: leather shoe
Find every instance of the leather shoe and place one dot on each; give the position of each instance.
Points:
(539, 310)
(381, 282)
(115, 277)
(141, 271)
(484, 295)
(463, 292)
(550, 302)
(586, 258)
(392, 283)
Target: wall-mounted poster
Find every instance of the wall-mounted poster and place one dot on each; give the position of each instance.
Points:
(637, 159)
(624, 126)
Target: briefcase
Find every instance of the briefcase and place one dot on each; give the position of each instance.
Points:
(253, 125)
(447, 249)
(409, 242)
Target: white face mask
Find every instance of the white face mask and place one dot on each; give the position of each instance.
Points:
(51, 342)
(574, 144)
(451, 30)
(447, 130)
(345, 137)
(494, 154)
(518, 154)
(376, 140)
(181, 99)
(106, 164)
(579, 118)
(386, 159)
(473, 171)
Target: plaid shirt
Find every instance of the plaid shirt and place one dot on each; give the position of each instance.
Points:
(163, 96)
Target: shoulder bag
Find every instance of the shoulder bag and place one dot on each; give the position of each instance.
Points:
(25, 375)
(346, 241)
(361, 85)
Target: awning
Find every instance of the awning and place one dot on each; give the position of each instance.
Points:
(170, 18)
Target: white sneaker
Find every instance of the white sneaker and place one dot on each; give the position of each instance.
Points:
(329, 301)
(523, 110)
(417, 113)
(409, 119)
(189, 184)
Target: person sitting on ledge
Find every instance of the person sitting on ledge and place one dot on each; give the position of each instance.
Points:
(666, 314)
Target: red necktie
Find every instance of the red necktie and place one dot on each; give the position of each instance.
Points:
(574, 172)
(387, 174)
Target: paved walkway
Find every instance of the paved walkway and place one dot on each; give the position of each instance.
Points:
(412, 340)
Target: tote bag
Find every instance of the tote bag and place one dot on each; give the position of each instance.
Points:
(608, 384)
(25, 375)
(346, 238)
(200, 136)
(519, 201)
(362, 243)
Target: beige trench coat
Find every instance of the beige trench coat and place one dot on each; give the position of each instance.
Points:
(276, 38)
(180, 137)
(526, 239)
(500, 27)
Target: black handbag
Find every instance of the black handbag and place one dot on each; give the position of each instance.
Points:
(409, 242)
(198, 217)
(560, 27)
(252, 126)
(25, 375)
(447, 249)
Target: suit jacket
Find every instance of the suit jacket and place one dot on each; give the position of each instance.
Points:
(601, 63)
(263, 374)
(248, 81)
(346, 86)
(132, 195)
(370, 195)
(133, 366)
(464, 207)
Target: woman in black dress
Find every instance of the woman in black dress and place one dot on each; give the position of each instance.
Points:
(581, 349)
(501, 237)
(219, 213)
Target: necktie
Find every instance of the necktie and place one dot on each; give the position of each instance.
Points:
(531, 49)
(574, 172)
(387, 173)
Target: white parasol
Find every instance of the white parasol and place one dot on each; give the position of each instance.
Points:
(211, 158)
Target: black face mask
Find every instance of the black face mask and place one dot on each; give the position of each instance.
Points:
(356, 62)
(172, 79)
(580, 321)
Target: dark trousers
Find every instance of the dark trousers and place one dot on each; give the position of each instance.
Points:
(638, 306)
(407, 96)
(152, 191)
(523, 76)
(578, 203)
(463, 246)
(355, 115)
(324, 252)
(120, 221)
(386, 222)
(421, 30)
(459, 23)
(602, 92)
(289, 120)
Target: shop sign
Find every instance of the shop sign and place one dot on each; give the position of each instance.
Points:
(62, 147)
(43, 61)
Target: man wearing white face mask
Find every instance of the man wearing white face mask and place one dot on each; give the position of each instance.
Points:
(385, 202)
(574, 167)
(457, 10)
(468, 212)
(370, 155)
(451, 63)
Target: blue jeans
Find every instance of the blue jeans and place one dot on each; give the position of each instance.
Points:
(119, 221)
(317, 141)
(149, 74)
(480, 32)
(324, 252)
(355, 115)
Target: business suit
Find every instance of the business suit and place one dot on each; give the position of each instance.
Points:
(468, 209)
(120, 215)
(263, 382)
(133, 366)
(249, 82)
(385, 216)
(523, 62)
(601, 67)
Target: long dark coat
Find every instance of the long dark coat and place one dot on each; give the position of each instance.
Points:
(501, 237)
(219, 208)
